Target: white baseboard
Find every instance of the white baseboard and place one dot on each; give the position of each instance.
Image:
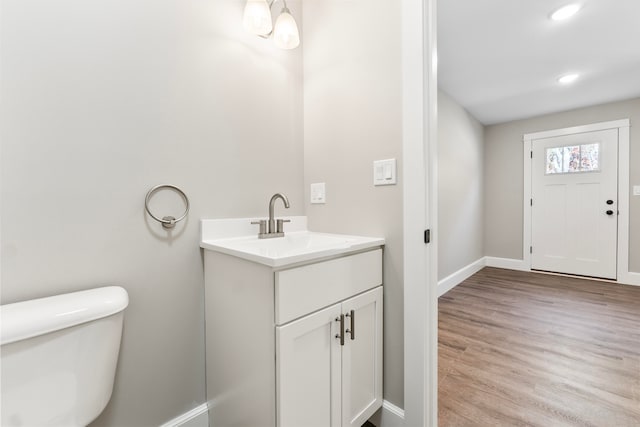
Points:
(388, 416)
(197, 417)
(393, 414)
(630, 278)
(507, 263)
(453, 280)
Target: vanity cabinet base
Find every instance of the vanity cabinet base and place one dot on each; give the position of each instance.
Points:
(262, 371)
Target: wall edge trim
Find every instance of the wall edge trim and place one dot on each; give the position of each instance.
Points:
(591, 127)
(507, 263)
(199, 411)
(457, 277)
(630, 278)
(389, 416)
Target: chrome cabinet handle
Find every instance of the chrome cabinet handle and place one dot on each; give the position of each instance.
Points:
(341, 334)
(352, 329)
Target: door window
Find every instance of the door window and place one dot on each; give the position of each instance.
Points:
(573, 158)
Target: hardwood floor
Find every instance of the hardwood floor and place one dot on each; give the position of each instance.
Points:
(530, 349)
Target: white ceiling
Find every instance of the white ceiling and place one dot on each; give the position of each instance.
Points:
(500, 59)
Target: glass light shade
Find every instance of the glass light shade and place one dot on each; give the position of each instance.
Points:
(568, 78)
(565, 12)
(257, 17)
(285, 32)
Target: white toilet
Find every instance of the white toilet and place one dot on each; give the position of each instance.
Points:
(59, 356)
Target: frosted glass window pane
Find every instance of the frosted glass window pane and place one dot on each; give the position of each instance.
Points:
(589, 157)
(571, 159)
(554, 160)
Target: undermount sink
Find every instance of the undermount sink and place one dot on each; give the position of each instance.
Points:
(296, 246)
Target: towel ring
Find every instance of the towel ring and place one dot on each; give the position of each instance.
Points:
(167, 222)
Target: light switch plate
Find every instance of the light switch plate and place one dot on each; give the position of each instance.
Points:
(384, 172)
(636, 190)
(318, 193)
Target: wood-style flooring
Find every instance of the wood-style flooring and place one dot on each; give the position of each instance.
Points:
(530, 349)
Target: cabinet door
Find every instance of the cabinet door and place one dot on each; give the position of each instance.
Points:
(362, 358)
(308, 371)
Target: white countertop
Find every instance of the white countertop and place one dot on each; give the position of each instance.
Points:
(237, 237)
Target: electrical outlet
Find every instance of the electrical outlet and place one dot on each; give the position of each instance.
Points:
(636, 190)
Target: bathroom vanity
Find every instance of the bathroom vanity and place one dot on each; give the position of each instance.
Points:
(293, 326)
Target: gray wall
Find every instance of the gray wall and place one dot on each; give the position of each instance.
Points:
(504, 174)
(460, 187)
(353, 116)
(101, 100)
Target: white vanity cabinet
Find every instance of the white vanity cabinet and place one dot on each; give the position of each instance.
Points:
(323, 380)
(274, 347)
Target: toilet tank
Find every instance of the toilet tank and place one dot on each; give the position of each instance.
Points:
(59, 356)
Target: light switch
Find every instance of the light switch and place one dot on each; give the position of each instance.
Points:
(387, 172)
(378, 172)
(636, 190)
(318, 193)
(384, 172)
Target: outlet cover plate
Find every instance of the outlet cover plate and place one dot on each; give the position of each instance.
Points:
(384, 172)
(636, 190)
(318, 193)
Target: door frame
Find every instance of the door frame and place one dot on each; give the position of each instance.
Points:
(419, 180)
(622, 126)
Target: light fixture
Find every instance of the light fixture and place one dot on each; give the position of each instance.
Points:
(257, 17)
(565, 12)
(568, 78)
(257, 20)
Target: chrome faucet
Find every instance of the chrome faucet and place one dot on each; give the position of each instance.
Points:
(273, 228)
(272, 202)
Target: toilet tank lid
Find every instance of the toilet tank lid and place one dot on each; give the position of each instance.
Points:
(27, 319)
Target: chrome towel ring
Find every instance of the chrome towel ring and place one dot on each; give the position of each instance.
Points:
(166, 221)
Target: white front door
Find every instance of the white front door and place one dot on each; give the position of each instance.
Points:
(574, 207)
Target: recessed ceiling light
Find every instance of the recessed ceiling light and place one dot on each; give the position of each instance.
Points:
(565, 12)
(568, 78)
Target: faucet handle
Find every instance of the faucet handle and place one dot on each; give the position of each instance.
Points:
(263, 225)
(279, 225)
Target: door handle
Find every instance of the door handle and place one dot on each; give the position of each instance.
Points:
(341, 334)
(609, 202)
(352, 329)
(609, 212)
